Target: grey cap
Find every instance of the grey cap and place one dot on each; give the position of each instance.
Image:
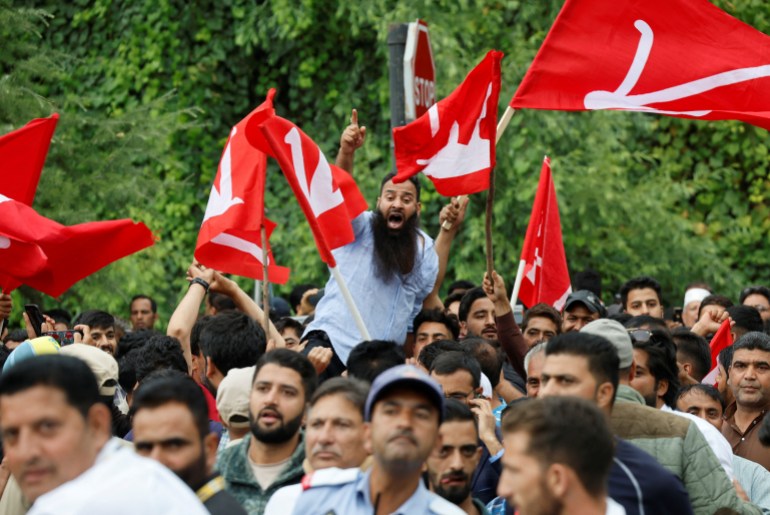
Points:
(617, 335)
(406, 375)
(588, 299)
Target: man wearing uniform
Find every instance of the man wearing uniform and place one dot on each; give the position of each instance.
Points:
(403, 412)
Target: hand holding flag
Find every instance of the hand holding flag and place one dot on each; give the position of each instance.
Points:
(722, 339)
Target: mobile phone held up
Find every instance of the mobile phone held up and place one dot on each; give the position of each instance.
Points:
(35, 318)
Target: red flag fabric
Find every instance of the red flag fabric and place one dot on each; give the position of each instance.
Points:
(22, 155)
(454, 142)
(546, 277)
(62, 255)
(230, 238)
(328, 196)
(683, 58)
(722, 339)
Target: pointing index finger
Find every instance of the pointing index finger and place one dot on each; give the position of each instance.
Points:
(354, 117)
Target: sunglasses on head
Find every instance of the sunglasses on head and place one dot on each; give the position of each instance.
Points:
(640, 335)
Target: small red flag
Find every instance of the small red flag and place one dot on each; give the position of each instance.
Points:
(230, 237)
(328, 196)
(22, 155)
(722, 339)
(65, 254)
(546, 277)
(683, 58)
(454, 142)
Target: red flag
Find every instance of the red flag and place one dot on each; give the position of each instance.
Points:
(230, 238)
(327, 195)
(65, 254)
(684, 58)
(721, 340)
(22, 154)
(454, 142)
(546, 277)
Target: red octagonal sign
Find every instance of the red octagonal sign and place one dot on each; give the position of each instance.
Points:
(419, 71)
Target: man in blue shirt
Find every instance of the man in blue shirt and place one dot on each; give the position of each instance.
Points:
(403, 412)
(390, 268)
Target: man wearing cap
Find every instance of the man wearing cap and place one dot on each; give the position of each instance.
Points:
(233, 403)
(403, 412)
(582, 307)
(691, 304)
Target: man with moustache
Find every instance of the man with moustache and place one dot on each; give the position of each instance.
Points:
(272, 456)
(453, 462)
(391, 268)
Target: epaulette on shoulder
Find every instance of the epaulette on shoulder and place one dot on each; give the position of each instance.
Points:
(329, 477)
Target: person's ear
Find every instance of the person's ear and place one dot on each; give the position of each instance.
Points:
(662, 387)
(604, 395)
(557, 480)
(99, 420)
(632, 372)
(368, 438)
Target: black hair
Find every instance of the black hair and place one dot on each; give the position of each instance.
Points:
(450, 362)
(127, 369)
(17, 335)
(414, 179)
(59, 315)
(195, 334)
(453, 297)
(661, 361)
(160, 352)
(289, 323)
(714, 300)
(705, 389)
(370, 358)
(134, 340)
(354, 390)
(460, 284)
(602, 356)
(440, 317)
(747, 319)
(232, 340)
(639, 283)
(295, 296)
(566, 430)
(589, 279)
(751, 290)
(621, 317)
(752, 341)
(94, 318)
(542, 310)
(431, 351)
(158, 391)
(692, 348)
(725, 358)
(490, 358)
(295, 361)
(153, 304)
(467, 301)
(221, 302)
(652, 322)
(456, 411)
(70, 375)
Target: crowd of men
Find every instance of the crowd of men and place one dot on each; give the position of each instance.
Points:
(453, 406)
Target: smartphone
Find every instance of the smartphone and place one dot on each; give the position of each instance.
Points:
(35, 318)
(64, 337)
(677, 317)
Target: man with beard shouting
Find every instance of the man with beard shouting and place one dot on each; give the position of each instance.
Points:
(392, 268)
(272, 456)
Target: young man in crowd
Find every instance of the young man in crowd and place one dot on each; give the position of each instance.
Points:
(431, 325)
(271, 457)
(581, 308)
(642, 296)
(541, 323)
(171, 426)
(99, 330)
(143, 312)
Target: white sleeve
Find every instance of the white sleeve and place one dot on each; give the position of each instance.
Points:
(282, 502)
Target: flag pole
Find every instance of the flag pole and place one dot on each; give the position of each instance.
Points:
(517, 284)
(265, 284)
(350, 302)
(501, 126)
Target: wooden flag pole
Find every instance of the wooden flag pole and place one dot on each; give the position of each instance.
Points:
(265, 284)
(501, 126)
(350, 302)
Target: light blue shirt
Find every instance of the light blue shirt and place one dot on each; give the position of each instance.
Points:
(346, 491)
(755, 480)
(387, 308)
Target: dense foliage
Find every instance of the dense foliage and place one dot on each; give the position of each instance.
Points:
(147, 92)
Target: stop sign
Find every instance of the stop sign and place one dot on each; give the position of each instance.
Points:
(419, 71)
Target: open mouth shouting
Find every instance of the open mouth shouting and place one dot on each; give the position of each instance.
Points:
(395, 220)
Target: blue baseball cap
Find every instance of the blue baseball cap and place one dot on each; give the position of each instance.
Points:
(404, 375)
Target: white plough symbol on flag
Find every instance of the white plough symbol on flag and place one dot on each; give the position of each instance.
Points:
(620, 98)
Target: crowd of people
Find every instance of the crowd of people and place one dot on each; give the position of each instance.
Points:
(452, 406)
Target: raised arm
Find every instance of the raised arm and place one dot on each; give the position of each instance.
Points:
(452, 216)
(351, 140)
(508, 332)
(186, 313)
